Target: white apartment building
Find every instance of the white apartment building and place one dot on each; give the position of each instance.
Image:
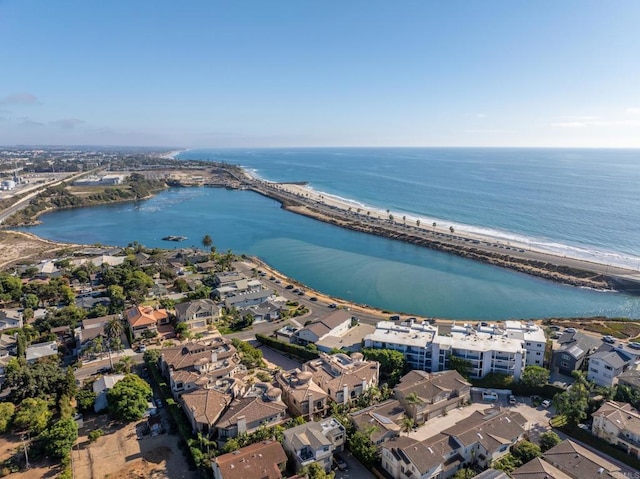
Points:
(487, 352)
(411, 339)
(535, 341)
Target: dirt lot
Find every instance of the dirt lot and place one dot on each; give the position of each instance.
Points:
(15, 245)
(119, 454)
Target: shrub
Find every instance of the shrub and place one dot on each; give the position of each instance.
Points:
(95, 434)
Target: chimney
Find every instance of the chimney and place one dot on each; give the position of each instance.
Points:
(214, 357)
(310, 401)
(242, 424)
(345, 394)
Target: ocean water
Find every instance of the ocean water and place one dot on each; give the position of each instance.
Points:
(575, 202)
(363, 268)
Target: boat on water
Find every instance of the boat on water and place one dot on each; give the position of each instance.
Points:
(174, 238)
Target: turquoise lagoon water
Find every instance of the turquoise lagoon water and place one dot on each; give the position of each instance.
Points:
(354, 266)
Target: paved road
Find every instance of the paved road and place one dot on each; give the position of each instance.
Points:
(23, 202)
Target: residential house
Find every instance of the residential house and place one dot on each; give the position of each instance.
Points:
(197, 314)
(630, 378)
(301, 394)
(144, 320)
(380, 422)
(267, 311)
(403, 457)
(262, 406)
(333, 324)
(10, 318)
(287, 333)
(480, 439)
(427, 395)
(580, 463)
(538, 468)
(41, 350)
(263, 460)
(606, 365)
(8, 351)
(618, 424)
(203, 408)
(342, 377)
(89, 330)
(250, 298)
(101, 386)
(200, 364)
(573, 352)
(314, 442)
(226, 278)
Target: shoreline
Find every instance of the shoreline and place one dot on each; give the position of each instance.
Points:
(301, 199)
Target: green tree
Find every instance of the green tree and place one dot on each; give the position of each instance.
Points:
(407, 424)
(181, 329)
(534, 376)
(181, 285)
(548, 440)
(30, 300)
(507, 463)
(125, 364)
(113, 329)
(574, 402)
(392, 363)
(117, 297)
(129, 397)
(316, 471)
(207, 241)
(361, 446)
(7, 410)
(524, 451)
(85, 399)
(59, 438)
(151, 356)
(231, 445)
(33, 415)
(465, 473)
(461, 365)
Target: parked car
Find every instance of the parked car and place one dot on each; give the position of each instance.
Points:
(341, 464)
(333, 305)
(395, 317)
(609, 339)
(313, 298)
(546, 403)
(142, 348)
(289, 286)
(512, 399)
(159, 403)
(570, 330)
(634, 345)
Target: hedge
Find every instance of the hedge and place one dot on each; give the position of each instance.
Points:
(299, 351)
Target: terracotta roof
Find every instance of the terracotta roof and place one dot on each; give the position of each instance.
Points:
(296, 384)
(184, 357)
(258, 461)
(145, 315)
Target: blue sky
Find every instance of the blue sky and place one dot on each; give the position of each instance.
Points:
(325, 73)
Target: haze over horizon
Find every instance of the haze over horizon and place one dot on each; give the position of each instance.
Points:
(260, 74)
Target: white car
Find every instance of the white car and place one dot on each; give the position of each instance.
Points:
(546, 403)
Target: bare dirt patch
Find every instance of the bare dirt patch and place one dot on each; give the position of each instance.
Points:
(121, 454)
(17, 246)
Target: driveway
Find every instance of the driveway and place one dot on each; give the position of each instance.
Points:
(274, 358)
(537, 417)
(356, 469)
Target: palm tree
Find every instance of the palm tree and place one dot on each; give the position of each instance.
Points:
(407, 424)
(126, 363)
(207, 241)
(113, 329)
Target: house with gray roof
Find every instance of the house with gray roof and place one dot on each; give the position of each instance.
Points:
(618, 424)
(334, 324)
(574, 350)
(197, 314)
(41, 350)
(481, 438)
(250, 298)
(630, 378)
(314, 442)
(10, 318)
(580, 463)
(538, 468)
(101, 386)
(605, 365)
(380, 422)
(427, 395)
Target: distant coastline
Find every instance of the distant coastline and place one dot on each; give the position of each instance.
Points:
(297, 197)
